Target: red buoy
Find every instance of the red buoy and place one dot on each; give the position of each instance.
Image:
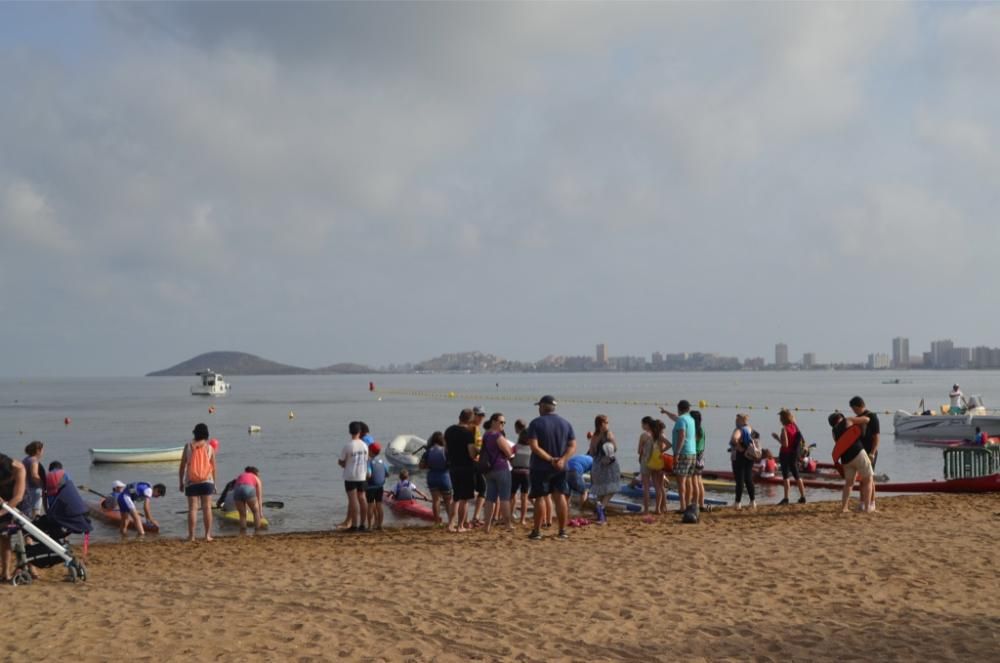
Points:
(67, 421)
(371, 386)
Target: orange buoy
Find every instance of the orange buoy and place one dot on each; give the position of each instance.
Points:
(211, 409)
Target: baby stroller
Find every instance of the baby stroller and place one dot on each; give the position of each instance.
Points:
(49, 546)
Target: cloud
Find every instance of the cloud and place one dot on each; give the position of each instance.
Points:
(26, 216)
(310, 158)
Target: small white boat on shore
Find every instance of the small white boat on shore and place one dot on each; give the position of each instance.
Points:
(171, 454)
(211, 384)
(910, 426)
(404, 452)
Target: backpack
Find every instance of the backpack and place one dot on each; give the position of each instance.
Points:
(802, 448)
(199, 464)
(752, 451)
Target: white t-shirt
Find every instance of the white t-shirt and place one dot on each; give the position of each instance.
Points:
(355, 457)
(956, 398)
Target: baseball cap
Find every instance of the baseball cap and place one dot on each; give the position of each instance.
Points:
(479, 411)
(547, 399)
(374, 449)
(118, 484)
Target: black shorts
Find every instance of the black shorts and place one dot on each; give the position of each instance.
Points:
(373, 495)
(463, 483)
(520, 481)
(546, 482)
(200, 489)
(789, 465)
(351, 486)
(480, 480)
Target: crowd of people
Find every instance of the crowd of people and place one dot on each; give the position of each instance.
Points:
(477, 477)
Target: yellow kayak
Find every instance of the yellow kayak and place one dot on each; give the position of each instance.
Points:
(234, 517)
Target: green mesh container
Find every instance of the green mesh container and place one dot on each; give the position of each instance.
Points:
(970, 463)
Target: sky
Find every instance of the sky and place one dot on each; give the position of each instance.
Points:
(382, 183)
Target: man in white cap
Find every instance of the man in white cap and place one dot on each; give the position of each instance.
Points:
(126, 507)
(957, 405)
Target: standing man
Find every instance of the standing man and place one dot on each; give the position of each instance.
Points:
(354, 460)
(683, 439)
(460, 445)
(552, 443)
(869, 438)
(478, 416)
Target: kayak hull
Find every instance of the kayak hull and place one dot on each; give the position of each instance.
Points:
(986, 484)
(167, 455)
(409, 508)
(114, 517)
(233, 518)
(404, 452)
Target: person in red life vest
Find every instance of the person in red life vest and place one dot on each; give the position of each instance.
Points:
(849, 454)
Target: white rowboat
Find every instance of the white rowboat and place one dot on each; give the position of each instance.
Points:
(136, 455)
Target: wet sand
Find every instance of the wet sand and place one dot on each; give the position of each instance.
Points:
(918, 580)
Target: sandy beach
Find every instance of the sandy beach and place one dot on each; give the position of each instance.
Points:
(917, 580)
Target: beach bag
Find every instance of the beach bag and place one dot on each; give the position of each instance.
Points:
(199, 467)
(484, 463)
(668, 462)
(752, 452)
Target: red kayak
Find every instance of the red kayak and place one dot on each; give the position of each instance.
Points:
(409, 508)
(987, 484)
(114, 517)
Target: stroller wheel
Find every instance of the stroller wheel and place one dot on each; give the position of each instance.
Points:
(78, 572)
(21, 577)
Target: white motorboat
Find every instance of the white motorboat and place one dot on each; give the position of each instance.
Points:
(404, 451)
(170, 454)
(211, 384)
(947, 426)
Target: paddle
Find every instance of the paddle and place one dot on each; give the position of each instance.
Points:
(92, 491)
(269, 505)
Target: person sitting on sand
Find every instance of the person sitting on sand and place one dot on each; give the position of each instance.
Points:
(405, 489)
(852, 457)
(375, 486)
(354, 460)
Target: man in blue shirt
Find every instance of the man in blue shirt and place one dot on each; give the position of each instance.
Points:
(685, 456)
(552, 443)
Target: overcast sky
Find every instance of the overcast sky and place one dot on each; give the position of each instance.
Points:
(380, 182)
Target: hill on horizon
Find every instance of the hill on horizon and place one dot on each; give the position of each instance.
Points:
(229, 362)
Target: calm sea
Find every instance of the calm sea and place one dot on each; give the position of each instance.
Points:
(297, 457)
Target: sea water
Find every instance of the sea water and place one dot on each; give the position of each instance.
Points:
(298, 456)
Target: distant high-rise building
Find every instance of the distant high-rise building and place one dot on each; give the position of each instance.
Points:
(878, 360)
(900, 352)
(941, 354)
(808, 360)
(602, 354)
(781, 355)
